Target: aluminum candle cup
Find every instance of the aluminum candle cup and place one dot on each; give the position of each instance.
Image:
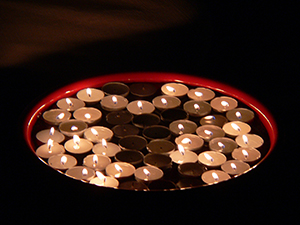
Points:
(174, 89)
(163, 102)
(201, 94)
(87, 114)
(130, 156)
(124, 130)
(197, 108)
(113, 103)
(212, 158)
(208, 132)
(240, 114)
(160, 146)
(186, 157)
(62, 161)
(246, 154)
(44, 135)
(249, 140)
(120, 170)
(223, 145)
(72, 127)
(191, 170)
(217, 120)
(214, 176)
(105, 181)
(109, 149)
(133, 142)
(148, 173)
(190, 142)
(157, 132)
(223, 103)
(78, 147)
(70, 104)
(142, 89)
(97, 133)
(235, 128)
(81, 173)
(115, 88)
(139, 107)
(90, 95)
(235, 167)
(56, 116)
(179, 127)
(47, 150)
(96, 161)
(145, 120)
(119, 117)
(170, 115)
(159, 160)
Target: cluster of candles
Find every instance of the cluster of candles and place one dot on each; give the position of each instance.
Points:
(148, 136)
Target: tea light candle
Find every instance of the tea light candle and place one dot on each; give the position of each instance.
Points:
(236, 128)
(95, 134)
(170, 115)
(222, 144)
(115, 88)
(133, 142)
(175, 89)
(106, 148)
(180, 127)
(249, 140)
(96, 161)
(212, 158)
(123, 130)
(197, 108)
(159, 160)
(114, 103)
(87, 114)
(247, 154)
(192, 170)
(201, 94)
(81, 173)
(208, 132)
(56, 116)
(190, 142)
(235, 167)
(183, 156)
(140, 107)
(120, 170)
(119, 117)
(45, 135)
(240, 114)
(49, 149)
(214, 176)
(160, 146)
(72, 127)
(148, 173)
(166, 102)
(78, 145)
(217, 120)
(133, 185)
(223, 103)
(90, 95)
(104, 181)
(130, 156)
(70, 104)
(157, 132)
(62, 161)
(142, 89)
(145, 120)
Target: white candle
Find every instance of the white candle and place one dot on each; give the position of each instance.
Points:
(88, 114)
(183, 156)
(201, 94)
(120, 170)
(240, 114)
(56, 116)
(90, 95)
(222, 144)
(249, 140)
(72, 127)
(223, 103)
(96, 161)
(166, 102)
(214, 176)
(95, 134)
(208, 132)
(179, 127)
(62, 161)
(235, 167)
(70, 104)
(114, 103)
(140, 107)
(236, 128)
(247, 154)
(45, 135)
(212, 158)
(197, 108)
(81, 173)
(148, 173)
(174, 89)
(49, 149)
(104, 181)
(78, 145)
(190, 142)
(106, 148)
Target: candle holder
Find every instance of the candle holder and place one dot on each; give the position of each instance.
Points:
(223, 100)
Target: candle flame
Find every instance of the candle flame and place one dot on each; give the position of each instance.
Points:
(84, 172)
(245, 139)
(140, 105)
(94, 131)
(52, 130)
(233, 166)
(104, 143)
(76, 140)
(50, 145)
(101, 176)
(236, 127)
(210, 117)
(208, 157)
(198, 93)
(164, 101)
(215, 176)
(181, 149)
(221, 145)
(224, 104)
(171, 89)
(87, 116)
(147, 173)
(208, 132)
(114, 99)
(180, 127)
(74, 128)
(186, 141)
(60, 116)
(238, 115)
(69, 102)
(118, 168)
(95, 160)
(63, 160)
(89, 92)
(196, 107)
(245, 153)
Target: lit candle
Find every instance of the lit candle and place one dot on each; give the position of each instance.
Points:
(208, 132)
(45, 135)
(214, 176)
(240, 114)
(56, 116)
(235, 167)
(222, 144)
(212, 158)
(246, 154)
(95, 134)
(72, 127)
(120, 170)
(115, 88)
(166, 102)
(148, 173)
(62, 161)
(140, 107)
(70, 104)
(114, 103)
(236, 128)
(190, 142)
(180, 127)
(249, 140)
(104, 181)
(160, 146)
(217, 120)
(157, 132)
(183, 156)
(175, 89)
(81, 173)
(96, 161)
(197, 108)
(130, 156)
(49, 149)
(106, 148)
(87, 114)
(78, 145)
(90, 95)
(201, 94)
(223, 103)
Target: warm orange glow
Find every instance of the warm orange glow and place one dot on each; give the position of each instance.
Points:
(74, 128)
(164, 101)
(89, 92)
(63, 160)
(52, 130)
(60, 116)
(76, 140)
(245, 139)
(180, 127)
(186, 141)
(236, 127)
(198, 93)
(114, 99)
(104, 143)
(84, 172)
(95, 160)
(221, 145)
(238, 115)
(147, 173)
(245, 153)
(69, 102)
(196, 107)
(215, 176)
(101, 176)
(170, 89)
(181, 149)
(208, 132)
(140, 105)
(94, 132)
(209, 117)
(87, 116)
(224, 103)
(208, 157)
(118, 168)
(233, 166)
(50, 145)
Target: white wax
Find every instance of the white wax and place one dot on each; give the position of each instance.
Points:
(201, 94)
(56, 116)
(81, 173)
(75, 104)
(88, 114)
(222, 144)
(235, 167)
(208, 132)
(44, 152)
(223, 103)
(190, 142)
(247, 154)
(236, 128)
(154, 173)
(95, 95)
(109, 182)
(168, 102)
(188, 156)
(127, 170)
(136, 109)
(100, 162)
(212, 158)
(109, 104)
(174, 89)
(83, 147)
(110, 150)
(220, 175)
(251, 140)
(102, 133)
(72, 127)
(55, 161)
(179, 127)
(44, 136)
(197, 108)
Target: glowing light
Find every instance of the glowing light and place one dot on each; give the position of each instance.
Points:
(104, 143)
(164, 101)
(119, 169)
(215, 176)
(74, 128)
(208, 157)
(221, 145)
(101, 176)
(224, 104)
(50, 145)
(181, 149)
(245, 153)
(87, 116)
(198, 93)
(147, 173)
(140, 105)
(236, 127)
(95, 160)
(52, 130)
(186, 141)
(94, 132)
(85, 172)
(63, 160)
(60, 116)
(208, 132)
(196, 107)
(245, 139)
(238, 115)
(170, 89)
(69, 102)
(114, 99)
(210, 117)
(89, 92)
(76, 140)
(233, 166)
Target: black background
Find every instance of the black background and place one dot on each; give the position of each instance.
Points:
(246, 45)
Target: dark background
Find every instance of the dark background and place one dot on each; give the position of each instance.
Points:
(45, 46)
